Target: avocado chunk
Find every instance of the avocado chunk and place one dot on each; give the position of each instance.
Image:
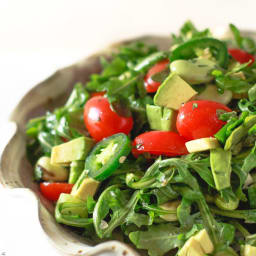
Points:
(173, 92)
(203, 238)
(202, 144)
(240, 132)
(76, 149)
(76, 168)
(44, 170)
(161, 118)
(192, 248)
(220, 161)
(170, 206)
(87, 187)
(249, 250)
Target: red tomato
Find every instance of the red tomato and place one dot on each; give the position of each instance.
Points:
(103, 122)
(52, 191)
(198, 119)
(159, 143)
(151, 85)
(241, 56)
(94, 94)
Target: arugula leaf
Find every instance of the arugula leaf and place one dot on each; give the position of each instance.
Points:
(252, 93)
(47, 141)
(247, 215)
(249, 161)
(139, 219)
(153, 177)
(183, 213)
(77, 98)
(245, 43)
(227, 232)
(188, 31)
(121, 64)
(114, 68)
(223, 134)
(242, 175)
(202, 167)
(252, 196)
(188, 179)
(233, 84)
(116, 200)
(158, 239)
(237, 68)
(164, 194)
(34, 126)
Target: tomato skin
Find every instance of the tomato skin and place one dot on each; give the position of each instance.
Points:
(159, 143)
(198, 119)
(94, 94)
(151, 85)
(52, 191)
(101, 121)
(241, 56)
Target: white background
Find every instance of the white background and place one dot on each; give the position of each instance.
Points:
(38, 37)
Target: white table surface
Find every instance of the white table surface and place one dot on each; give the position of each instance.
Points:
(38, 37)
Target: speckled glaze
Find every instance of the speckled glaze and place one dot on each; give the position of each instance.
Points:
(16, 171)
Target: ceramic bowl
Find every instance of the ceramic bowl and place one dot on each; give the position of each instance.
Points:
(16, 171)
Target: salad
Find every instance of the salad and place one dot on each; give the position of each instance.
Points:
(159, 149)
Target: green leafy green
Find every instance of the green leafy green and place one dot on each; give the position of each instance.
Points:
(64, 123)
(245, 43)
(116, 200)
(234, 84)
(249, 161)
(164, 194)
(158, 239)
(252, 196)
(189, 31)
(252, 93)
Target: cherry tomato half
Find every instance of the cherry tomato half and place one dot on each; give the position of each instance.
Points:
(198, 119)
(151, 85)
(241, 56)
(52, 191)
(159, 143)
(101, 121)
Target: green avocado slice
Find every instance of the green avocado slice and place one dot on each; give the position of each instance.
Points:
(76, 149)
(173, 92)
(161, 118)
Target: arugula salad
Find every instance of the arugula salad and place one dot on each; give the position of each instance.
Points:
(158, 150)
